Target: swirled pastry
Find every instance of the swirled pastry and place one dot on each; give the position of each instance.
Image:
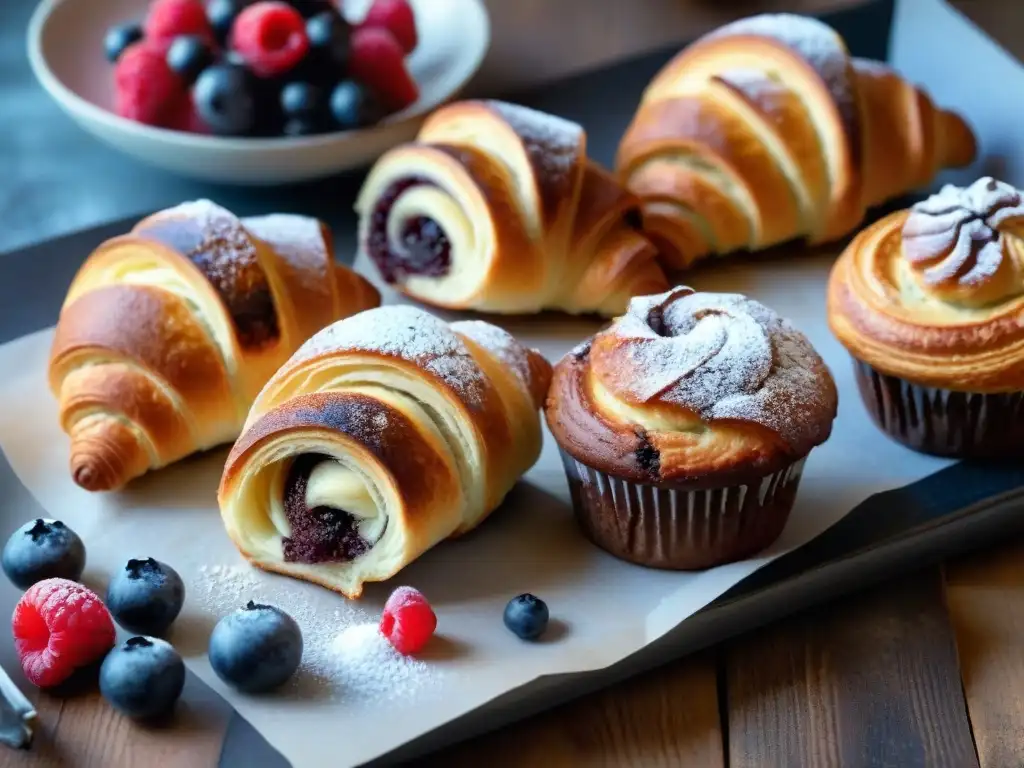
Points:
(496, 208)
(766, 130)
(383, 435)
(168, 333)
(930, 301)
(685, 424)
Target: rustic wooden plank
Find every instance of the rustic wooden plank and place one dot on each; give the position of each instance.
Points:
(986, 607)
(870, 680)
(82, 730)
(668, 717)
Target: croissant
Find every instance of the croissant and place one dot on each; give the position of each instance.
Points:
(766, 130)
(383, 435)
(168, 333)
(496, 208)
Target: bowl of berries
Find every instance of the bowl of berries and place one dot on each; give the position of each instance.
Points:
(255, 91)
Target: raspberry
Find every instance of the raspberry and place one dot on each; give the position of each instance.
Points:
(168, 19)
(408, 620)
(145, 88)
(396, 17)
(271, 37)
(378, 61)
(59, 626)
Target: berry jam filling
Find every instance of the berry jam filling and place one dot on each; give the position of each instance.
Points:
(321, 534)
(422, 249)
(647, 456)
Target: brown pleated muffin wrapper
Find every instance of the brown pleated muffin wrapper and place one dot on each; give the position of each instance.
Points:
(676, 528)
(963, 425)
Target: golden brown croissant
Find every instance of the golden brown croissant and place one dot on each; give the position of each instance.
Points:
(767, 130)
(168, 333)
(385, 434)
(496, 208)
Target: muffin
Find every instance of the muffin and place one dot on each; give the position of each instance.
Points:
(684, 427)
(930, 304)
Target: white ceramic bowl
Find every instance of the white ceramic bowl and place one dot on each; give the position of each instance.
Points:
(65, 48)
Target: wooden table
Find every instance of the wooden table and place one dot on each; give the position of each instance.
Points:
(926, 670)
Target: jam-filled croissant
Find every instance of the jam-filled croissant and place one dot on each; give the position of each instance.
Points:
(496, 208)
(168, 333)
(383, 435)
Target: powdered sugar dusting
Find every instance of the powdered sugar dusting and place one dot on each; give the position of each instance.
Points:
(343, 651)
(296, 233)
(500, 343)
(407, 333)
(724, 356)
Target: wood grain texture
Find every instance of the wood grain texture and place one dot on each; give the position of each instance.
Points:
(871, 680)
(666, 718)
(81, 730)
(985, 594)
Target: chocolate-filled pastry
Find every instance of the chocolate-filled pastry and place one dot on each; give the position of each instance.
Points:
(767, 130)
(930, 303)
(684, 427)
(168, 333)
(385, 434)
(496, 208)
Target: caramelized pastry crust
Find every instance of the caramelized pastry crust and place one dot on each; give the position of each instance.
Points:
(935, 294)
(698, 388)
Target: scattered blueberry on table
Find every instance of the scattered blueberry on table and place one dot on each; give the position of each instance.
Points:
(145, 596)
(526, 616)
(43, 549)
(143, 677)
(256, 648)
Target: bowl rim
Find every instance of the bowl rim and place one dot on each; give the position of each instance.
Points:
(85, 109)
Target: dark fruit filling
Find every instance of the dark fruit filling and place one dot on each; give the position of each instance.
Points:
(321, 534)
(423, 248)
(647, 456)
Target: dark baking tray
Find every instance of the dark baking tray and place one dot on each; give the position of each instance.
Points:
(960, 508)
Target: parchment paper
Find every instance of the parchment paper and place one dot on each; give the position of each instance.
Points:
(602, 609)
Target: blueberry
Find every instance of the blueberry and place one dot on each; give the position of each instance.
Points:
(222, 13)
(143, 677)
(352, 106)
(188, 56)
(302, 100)
(526, 616)
(329, 47)
(43, 549)
(120, 37)
(299, 126)
(256, 648)
(145, 596)
(225, 96)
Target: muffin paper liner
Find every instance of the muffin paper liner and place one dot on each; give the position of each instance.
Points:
(675, 528)
(943, 422)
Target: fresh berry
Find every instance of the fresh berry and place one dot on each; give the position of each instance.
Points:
(143, 677)
(188, 56)
(301, 126)
(396, 17)
(256, 648)
(120, 37)
(221, 15)
(145, 88)
(526, 616)
(328, 35)
(302, 100)
(310, 8)
(378, 60)
(145, 596)
(408, 621)
(59, 626)
(168, 19)
(43, 549)
(353, 106)
(187, 119)
(271, 37)
(225, 98)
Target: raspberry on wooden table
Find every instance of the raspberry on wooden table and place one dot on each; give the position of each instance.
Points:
(378, 61)
(59, 626)
(145, 88)
(168, 19)
(396, 17)
(408, 621)
(270, 37)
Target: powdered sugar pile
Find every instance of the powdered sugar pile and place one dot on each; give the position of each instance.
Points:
(343, 649)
